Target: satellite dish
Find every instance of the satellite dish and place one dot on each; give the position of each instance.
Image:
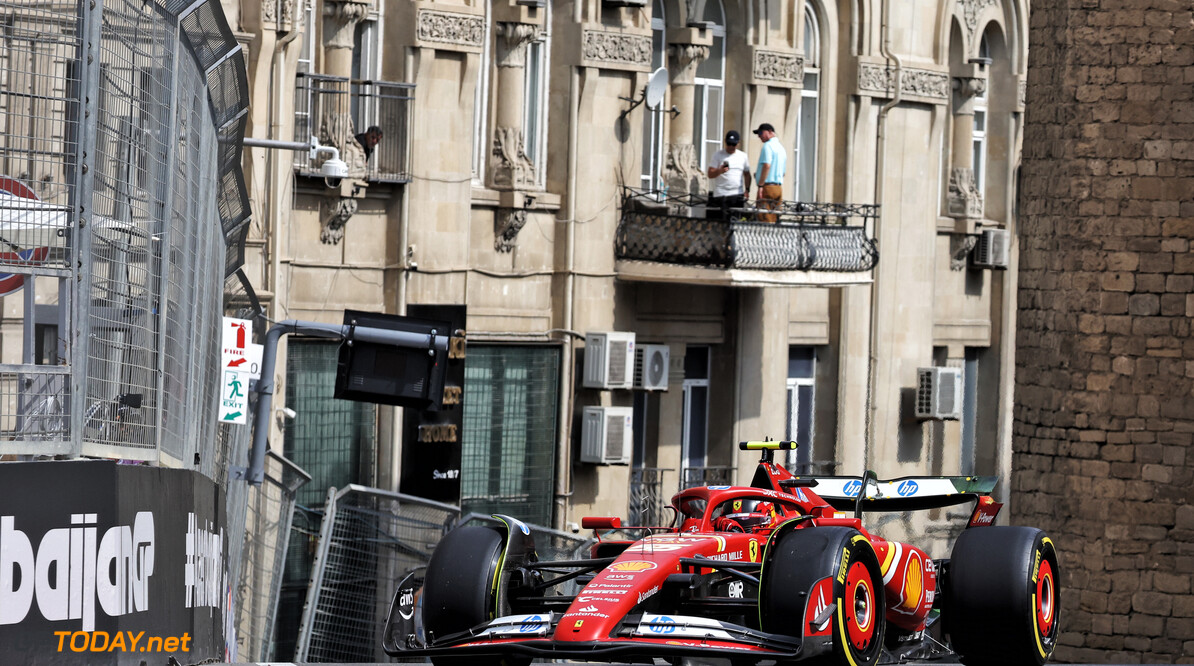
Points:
(656, 87)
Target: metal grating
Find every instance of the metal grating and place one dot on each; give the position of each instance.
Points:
(508, 451)
(119, 173)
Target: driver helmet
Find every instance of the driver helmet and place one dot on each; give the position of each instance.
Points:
(752, 514)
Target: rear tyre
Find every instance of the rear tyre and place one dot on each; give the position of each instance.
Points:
(460, 589)
(802, 557)
(1002, 596)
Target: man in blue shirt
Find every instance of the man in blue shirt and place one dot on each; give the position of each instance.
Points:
(773, 162)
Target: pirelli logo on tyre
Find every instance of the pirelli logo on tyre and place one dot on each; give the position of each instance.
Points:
(841, 572)
(632, 566)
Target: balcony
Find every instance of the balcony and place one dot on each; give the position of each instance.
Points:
(336, 109)
(668, 239)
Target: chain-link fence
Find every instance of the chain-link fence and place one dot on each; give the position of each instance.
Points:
(267, 536)
(369, 540)
(121, 199)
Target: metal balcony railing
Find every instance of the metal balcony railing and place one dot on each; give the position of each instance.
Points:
(647, 500)
(695, 477)
(806, 237)
(336, 110)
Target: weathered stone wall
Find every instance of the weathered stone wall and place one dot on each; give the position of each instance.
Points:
(1104, 414)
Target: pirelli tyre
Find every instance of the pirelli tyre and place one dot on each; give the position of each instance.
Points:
(460, 589)
(795, 561)
(1002, 602)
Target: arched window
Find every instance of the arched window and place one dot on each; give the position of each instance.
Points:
(710, 87)
(808, 124)
(653, 140)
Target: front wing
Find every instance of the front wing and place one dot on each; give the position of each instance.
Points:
(644, 635)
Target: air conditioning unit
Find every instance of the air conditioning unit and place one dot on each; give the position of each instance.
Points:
(992, 248)
(609, 360)
(607, 435)
(939, 393)
(651, 366)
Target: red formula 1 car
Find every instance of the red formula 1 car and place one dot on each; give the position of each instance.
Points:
(781, 570)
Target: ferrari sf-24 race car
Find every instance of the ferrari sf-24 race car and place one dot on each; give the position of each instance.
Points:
(779, 571)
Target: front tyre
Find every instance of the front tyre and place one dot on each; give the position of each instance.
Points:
(792, 567)
(1002, 596)
(460, 589)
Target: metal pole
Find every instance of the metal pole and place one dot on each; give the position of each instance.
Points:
(265, 386)
(250, 142)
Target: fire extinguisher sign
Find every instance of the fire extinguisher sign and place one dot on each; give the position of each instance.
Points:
(240, 360)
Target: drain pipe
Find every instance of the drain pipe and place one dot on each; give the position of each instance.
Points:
(564, 426)
(880, 169)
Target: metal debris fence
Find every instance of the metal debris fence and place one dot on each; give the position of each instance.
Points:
(267, 536)
(122, 211)
(369, 540)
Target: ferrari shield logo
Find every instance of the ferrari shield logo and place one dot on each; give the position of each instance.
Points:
(754, 551)
(737, 506)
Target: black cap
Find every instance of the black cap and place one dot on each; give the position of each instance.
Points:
(732, 138)
(765, 127)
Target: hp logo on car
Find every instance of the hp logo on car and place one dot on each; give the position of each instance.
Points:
(852, 488)
(530, 624)
(907, 488)
(662, 625)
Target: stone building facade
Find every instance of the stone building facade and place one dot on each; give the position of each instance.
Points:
(1105, 359)
(520, 132)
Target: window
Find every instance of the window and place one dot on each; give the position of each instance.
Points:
(306, 59)
(653, 140)
(807, 124)
(694, 439)
(979, 134)
(709, 88)
(969, 411)
(508, 455)
(802, 371)
(481, 105)
(534, 105)
(364, 68)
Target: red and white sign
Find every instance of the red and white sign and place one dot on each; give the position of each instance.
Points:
(238, 353)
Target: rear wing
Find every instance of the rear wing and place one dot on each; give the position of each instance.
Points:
(907, 493)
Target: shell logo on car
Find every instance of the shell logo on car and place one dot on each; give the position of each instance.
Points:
(632, 565)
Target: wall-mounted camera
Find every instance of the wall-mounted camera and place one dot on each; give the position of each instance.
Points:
(333, 168)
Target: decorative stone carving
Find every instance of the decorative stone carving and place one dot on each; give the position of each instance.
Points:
(616, 48)
(970, 11)
(340, 20)
(925, 83)
(269, 11)
(682, 171)
(919, 82)
(962, 245)
(685, 58)
(286, 13)
(969, 86)
(506, 225)
(512, 43)
(1021, 92)
(783, 67)
(340, 209)
(512, 169)
(451, 28)
(963, 198)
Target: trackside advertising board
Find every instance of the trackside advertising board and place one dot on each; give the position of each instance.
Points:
(103, 563)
